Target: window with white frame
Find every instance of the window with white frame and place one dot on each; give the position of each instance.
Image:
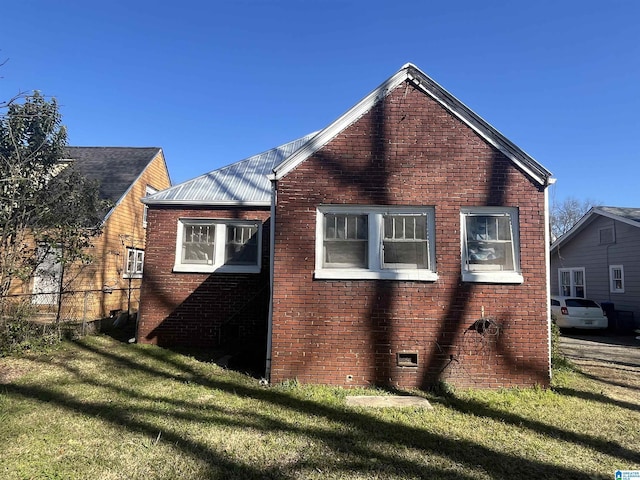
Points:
(148, 191)
(208, 245)
(571, 282)
(134, 263)
(616, 278)
(490, 245)
(375, 242)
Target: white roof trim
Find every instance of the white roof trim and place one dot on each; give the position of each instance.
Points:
(328, 133)
(236, 203)
(410, 72)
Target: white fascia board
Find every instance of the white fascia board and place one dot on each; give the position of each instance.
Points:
(444, 98)
(327, 134)
(480, 126)
(204, 203)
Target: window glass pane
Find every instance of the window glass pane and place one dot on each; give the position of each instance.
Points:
(341, 227)
(617, 284)
(565, 283)
(581, 303)
(578, 280)
(198, 243)
(139, 261)
(405, 244)
(242, 245)
(578, 277)
(330, 226)
(398, 224)
(345, 241)
(481, 227)
(406, 255)
(346, 227)
(346, 254)
(489, 243)
(130, 260)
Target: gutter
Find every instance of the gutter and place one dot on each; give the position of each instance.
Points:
(272, 249)
(547, 261)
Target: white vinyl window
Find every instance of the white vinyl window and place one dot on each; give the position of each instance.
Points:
(134, 263)
(616, 278)
(241, 247)
(490, 245)
(571, 282)
(207, 245)
(346, 240)
(375, 242)
(404, 243)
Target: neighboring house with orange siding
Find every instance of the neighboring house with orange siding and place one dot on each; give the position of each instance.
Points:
(111, 283)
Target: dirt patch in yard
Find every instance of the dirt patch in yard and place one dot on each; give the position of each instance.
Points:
(11, 369)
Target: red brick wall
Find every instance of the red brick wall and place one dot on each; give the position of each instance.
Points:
(408, 150)
(199, 309)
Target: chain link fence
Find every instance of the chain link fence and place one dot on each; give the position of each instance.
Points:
(88, 309)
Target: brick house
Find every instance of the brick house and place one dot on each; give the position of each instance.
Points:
(402, 245)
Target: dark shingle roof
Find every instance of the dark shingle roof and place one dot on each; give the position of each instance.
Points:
(624, 212)
(115, 168)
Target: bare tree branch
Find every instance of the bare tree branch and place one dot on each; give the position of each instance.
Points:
(566, 214)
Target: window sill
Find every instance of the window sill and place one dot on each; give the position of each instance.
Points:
(362, 274)
(216, 269)
(134, 275)
(493, 277)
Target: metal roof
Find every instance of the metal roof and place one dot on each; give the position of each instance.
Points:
(243, 183)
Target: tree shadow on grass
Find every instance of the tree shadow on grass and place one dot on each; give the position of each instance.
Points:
(595, 397)
(357, 446)
(613, 383)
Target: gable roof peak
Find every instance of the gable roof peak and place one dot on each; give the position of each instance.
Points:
(628, 215)
(410, 72)
(115, 169)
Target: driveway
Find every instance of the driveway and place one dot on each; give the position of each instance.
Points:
(602, 351)
(612, 361)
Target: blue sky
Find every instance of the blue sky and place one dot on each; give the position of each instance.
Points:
(214, 82)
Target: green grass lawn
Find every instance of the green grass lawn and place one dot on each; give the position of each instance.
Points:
(100, 409)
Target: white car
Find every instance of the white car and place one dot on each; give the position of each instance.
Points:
(575, 312)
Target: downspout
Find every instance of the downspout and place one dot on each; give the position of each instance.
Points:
(547, 261)
(272, 237)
